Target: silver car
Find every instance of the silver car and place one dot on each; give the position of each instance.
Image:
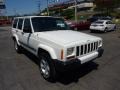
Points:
(102, 25)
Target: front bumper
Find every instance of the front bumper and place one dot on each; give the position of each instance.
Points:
(62, 66)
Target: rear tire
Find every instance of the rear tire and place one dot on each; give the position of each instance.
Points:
(47, 68)
(91, 31)
(105, 30)
(17, 47)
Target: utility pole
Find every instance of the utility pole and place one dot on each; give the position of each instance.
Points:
(39, 6)
(15, 12)
(75, 2)
(48, 8)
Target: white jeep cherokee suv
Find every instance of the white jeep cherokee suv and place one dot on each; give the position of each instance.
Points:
(50, 39)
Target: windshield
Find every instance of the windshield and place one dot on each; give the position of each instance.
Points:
(48, 24)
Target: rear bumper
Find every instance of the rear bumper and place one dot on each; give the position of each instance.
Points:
(63, 66)
(97, 28)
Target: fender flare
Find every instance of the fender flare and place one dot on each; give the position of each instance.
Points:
(49, 50)
(16, 38)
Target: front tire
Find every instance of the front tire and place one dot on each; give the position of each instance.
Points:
(47, 68)
(114, 29)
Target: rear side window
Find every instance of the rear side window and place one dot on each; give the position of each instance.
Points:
(20, 23)
(15, 23)
(99, 22)
(109, 22)
(27, 26)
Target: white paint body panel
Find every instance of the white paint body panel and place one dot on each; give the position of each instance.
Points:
(55, 41)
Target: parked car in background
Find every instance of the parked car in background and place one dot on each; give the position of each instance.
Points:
(81, 25)
(99, 17)
(102, 25)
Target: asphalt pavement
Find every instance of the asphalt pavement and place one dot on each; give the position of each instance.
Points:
(21, 71)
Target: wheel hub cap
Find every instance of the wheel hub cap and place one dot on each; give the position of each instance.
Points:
(44, 68)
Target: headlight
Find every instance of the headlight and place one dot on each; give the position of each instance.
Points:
(70, 51)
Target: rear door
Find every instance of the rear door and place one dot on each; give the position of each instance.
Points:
(14, 26)
(19, 28)
(108, 25)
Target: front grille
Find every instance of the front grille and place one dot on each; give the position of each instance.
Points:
(86, 48)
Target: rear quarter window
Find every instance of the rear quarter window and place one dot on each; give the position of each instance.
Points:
(15, 23)
(27, 25)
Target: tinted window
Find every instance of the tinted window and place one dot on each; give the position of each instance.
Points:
(48, 24)
(110, 22)
(27, 25)
(20, 23)
(15, 23)
(107, 22)
(99, 22)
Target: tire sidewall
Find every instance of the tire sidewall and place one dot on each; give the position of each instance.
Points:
(115, 27)
(17, 47)
(106, 29)
(52, 72)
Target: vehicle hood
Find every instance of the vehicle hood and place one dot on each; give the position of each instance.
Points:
(66, 36)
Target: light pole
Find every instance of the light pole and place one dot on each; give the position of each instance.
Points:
(75, 2)
(48, 8)
(39, 6)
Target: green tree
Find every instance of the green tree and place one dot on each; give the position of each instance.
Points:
(68, 14)
(106, 5)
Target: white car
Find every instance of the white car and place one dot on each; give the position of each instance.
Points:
(50, 39)
(102, 25)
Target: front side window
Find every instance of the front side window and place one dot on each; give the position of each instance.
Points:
(20, 24)
(48, 24)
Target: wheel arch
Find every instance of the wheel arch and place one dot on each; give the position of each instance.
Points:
(14, 37)
(50, 51)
